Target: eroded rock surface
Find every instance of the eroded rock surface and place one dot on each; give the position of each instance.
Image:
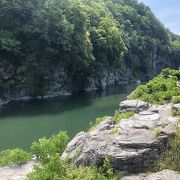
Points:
(134, 145)
(16, 172)
(176, 107)
(133, 105)
(163, 175)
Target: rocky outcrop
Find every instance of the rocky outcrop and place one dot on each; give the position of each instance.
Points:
(163, 175)
(16, 172)
(131, 145)
(176, 107)
(133, 105)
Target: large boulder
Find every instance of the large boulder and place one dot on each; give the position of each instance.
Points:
(133, 105)
(131, 145)
(162, 175)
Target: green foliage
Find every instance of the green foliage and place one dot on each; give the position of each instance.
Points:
(78, 40)
(45, 149)
(114, 131)
(170, 72)
(176, 100)
(170, 160)
(107, 168)
(50, 170)
(157, 132)
(96, 122)
(57, 169)
(175, 112)
(119, 116)
(160, 89)
(14, 157)
(52, 167)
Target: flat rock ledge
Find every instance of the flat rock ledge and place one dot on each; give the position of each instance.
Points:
(133, 105)
(16, 172)
(131, 145)
(162, 175)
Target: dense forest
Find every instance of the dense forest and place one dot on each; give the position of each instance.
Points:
(48, 46)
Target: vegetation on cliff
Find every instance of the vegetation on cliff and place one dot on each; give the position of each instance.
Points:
(159, 90)
(171, 158)
(57, 42)
(48, 152)
(14, 157)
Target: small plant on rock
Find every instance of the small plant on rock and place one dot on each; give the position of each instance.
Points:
(114, 131)
(119, 116)
(14, 157)
(157, 132)
(171, 159)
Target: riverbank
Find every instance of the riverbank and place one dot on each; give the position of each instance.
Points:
(63, 93)
(140, 137)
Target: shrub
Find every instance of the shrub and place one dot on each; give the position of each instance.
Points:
(85, 173)
(170, 72)
(175, 112)
(171, 159)
(176, 100)
(96, 122)
(57, 169)
(107, 168)
(51, 170)
(14, 157)
(119, 116)
(44, 149)
(160, 89)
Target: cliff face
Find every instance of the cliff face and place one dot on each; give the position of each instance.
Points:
(61, 47)
(100, 80)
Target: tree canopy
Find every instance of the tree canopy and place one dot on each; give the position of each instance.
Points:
(73, 40)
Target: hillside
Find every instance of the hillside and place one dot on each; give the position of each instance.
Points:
(52, 46)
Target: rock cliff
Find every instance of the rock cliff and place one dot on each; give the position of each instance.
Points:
(132, 145)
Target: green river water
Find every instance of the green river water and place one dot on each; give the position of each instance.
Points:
(21, 123)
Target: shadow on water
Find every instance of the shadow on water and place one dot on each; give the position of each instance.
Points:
(22, 122)
(61, 103)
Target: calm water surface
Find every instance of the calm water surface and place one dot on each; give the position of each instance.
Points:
(21, 123)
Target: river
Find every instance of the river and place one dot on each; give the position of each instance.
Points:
(21, 122)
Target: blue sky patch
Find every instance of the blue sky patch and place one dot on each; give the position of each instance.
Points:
(167, 11)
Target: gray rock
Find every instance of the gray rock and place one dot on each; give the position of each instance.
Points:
(133, 105)
(104, 125)
(162, 175)
(16, 172)
(135, 147)
(176, 107)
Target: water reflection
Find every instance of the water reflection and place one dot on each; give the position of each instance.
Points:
(21, 123)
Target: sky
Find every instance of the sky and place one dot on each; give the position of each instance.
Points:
(167, 11)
